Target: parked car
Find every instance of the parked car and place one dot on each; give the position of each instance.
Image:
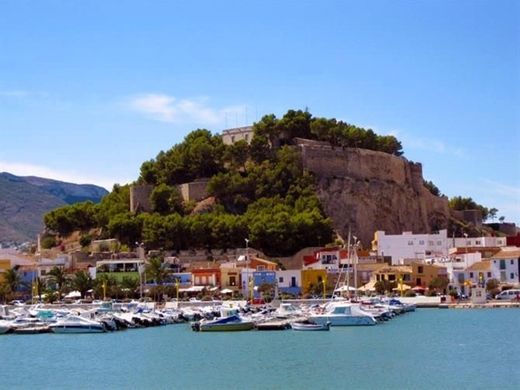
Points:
(509, 295)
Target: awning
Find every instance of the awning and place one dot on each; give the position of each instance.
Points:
(73, 294)
(370, 286)
(192, 289)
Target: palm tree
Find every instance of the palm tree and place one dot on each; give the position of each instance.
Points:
(12, 279)
(39, 287)
(82, 282)
(129, 285)
(156, 270)
(58, 277)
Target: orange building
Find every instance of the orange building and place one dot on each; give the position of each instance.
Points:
(206, 277)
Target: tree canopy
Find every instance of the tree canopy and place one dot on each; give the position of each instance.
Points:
(260, 189)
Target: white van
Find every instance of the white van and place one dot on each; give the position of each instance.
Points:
(509, 294)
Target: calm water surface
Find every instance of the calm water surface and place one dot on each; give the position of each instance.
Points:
(428, 349)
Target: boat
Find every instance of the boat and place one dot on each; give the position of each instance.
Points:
(77, 324)
(309, 325)
(230, 320)
(5, 326)
(34, 329)
(343, 314)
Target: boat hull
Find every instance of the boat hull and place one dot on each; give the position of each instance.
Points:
(77, 329)
(343, 320)
(228, 327)
(310, 327)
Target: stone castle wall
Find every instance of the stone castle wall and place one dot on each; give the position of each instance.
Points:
(366, 191)
(140, 197)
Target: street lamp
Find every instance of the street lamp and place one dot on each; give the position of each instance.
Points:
(248, 282)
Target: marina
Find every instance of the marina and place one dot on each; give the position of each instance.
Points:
(458, 346)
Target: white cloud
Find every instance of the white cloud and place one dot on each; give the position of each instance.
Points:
(166, 108)
(21, 169)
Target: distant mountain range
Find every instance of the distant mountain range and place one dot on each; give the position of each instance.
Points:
(24, 201)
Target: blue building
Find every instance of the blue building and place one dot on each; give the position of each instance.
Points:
(263, 277)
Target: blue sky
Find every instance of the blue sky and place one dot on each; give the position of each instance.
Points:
(91, 89)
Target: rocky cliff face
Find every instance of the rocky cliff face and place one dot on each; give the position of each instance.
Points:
(369, 191)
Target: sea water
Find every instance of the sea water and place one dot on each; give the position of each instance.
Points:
(428, 349)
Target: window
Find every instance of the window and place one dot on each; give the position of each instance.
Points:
(468, 243)
(430, 243)
(489, 274)
(293, 281)
(420, 269)
(391, 277)
(260, 268)
(410, 242)
(471, 274)
(246, 137)
(280, 279)
(502, 276)
(511, 275)
(232, 281)
(460, 278)
(421, 242)
(233, 139)
(502, 264)
(418, 281)
(439, 243)
(512, 262)
(406, 278)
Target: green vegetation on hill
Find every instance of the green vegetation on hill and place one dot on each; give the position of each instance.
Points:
(261, 191)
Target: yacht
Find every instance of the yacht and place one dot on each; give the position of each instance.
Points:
(77, 324)
(229, 320)
(343, 314)
(5, 326)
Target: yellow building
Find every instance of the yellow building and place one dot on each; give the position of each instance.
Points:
(311, 278)
(394, 273)
(230, 277)
(423, 274)
(5, 264)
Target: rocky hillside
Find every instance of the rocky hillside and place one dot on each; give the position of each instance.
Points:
(24, 201)
(369, 191)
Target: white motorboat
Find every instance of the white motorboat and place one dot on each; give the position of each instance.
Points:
(343, 314)
(5, 326)
(288, 310)
(309, 325)
(77, 324)
(229, 320)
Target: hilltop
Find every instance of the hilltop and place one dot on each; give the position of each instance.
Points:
(293, 182)
(24, 201)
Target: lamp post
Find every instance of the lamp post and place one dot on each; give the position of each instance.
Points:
(248, 282)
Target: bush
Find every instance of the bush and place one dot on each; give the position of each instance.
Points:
(85, 240)
(48, 242)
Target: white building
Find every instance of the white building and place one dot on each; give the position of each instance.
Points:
(456, 267)
(230, 136)
(410, 246)
(505, 266)
(476, 242)
(289, 280)
(326, 258)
